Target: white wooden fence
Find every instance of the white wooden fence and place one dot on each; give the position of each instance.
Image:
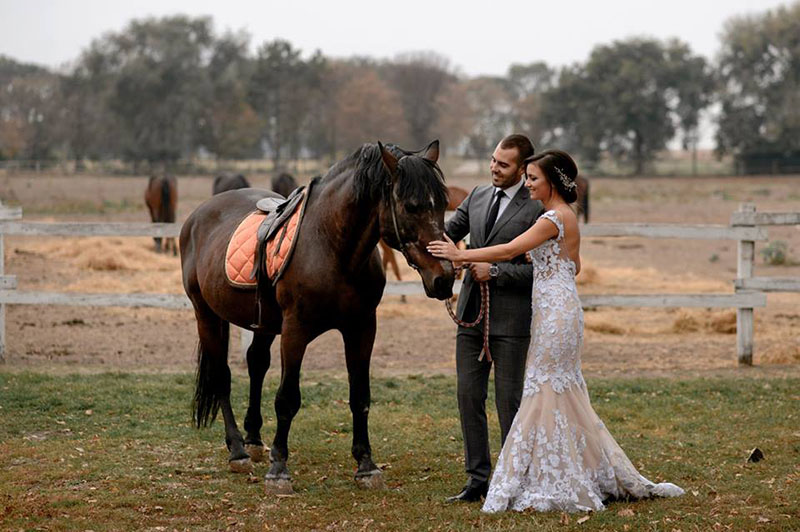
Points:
(747, 227)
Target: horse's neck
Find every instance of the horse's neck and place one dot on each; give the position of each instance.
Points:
(351, 226)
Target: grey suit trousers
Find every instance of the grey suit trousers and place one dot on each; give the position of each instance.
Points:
(508, 354)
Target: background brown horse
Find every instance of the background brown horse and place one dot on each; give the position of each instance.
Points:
(334, 281)
(161, 197)
(583, 197)
(283, 183)
(455, 195)
(228, 181)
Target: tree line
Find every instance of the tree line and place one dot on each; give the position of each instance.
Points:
(168, 89)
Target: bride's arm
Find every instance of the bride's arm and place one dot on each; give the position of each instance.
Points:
(539, 232)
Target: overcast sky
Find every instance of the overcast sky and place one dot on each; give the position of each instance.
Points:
(478, 37)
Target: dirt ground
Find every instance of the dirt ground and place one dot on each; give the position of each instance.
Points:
(415, 336)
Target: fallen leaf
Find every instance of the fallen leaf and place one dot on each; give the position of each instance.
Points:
(564, 520)
(626, 512)
(582, 519)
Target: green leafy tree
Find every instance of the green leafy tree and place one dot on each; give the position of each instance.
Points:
(159, 86)
(628, 100)
(690, 78)
(759, 71)
(528, 84)
(28, 111)
(283, 90)
(230, 127)
(420, 79)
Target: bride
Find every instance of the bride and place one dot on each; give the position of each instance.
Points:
(558, 454)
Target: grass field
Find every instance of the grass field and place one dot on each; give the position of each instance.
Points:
(117, 451)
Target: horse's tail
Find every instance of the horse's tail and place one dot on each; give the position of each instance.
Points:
(165, 200)
(210, 384)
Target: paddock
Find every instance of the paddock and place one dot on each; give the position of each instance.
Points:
(696, 333)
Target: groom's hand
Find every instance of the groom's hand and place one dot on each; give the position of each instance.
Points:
(480, 271)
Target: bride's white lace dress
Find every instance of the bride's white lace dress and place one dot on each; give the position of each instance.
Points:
(558, 454)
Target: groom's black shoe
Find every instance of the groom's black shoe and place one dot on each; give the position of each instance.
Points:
(470, 493)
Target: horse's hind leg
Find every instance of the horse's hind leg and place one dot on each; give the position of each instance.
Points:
(258, 359)
(214, 385)
(358, 343)
(287, 402)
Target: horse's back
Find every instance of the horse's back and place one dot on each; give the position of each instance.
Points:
(455, 195)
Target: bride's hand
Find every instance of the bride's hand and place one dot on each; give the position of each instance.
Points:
(445, 249)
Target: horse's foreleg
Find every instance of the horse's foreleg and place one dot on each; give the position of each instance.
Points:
(358, 343)
(258, 359)
(214, 383)
(287, 402)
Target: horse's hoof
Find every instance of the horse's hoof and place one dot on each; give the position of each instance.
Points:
(257, 453)
(372, 480)
(243, 465)
(278, 486)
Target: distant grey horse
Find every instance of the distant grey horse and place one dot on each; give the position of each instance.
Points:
(228, 181)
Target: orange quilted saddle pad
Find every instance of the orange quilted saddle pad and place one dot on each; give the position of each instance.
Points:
(241, 253)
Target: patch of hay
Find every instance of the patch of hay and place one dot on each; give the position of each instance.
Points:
(784, 353)
(107, 253)
(588, 275)
(724, 322)
(685, 322)
(604, 327)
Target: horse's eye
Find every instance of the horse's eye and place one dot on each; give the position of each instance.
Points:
(412, 208)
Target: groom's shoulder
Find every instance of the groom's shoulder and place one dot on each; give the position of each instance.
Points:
(482, 189)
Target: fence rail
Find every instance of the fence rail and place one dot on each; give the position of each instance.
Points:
(747, 227)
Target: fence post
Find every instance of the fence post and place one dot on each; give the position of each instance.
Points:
(744, 316)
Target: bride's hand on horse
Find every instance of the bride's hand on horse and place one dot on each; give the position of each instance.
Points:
(445, 249)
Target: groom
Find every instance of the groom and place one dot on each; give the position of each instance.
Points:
(493, 214)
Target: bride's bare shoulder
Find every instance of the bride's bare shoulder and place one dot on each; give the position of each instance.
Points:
(568, 216)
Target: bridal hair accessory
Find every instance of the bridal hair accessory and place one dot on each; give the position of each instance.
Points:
(569, 185)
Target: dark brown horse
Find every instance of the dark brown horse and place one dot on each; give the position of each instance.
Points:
(228, 181)
(334, 281)
(583, 197)
(455, 195)
(283, 184)
(161, 198)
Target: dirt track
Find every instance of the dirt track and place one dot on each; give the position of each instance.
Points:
(417, 336)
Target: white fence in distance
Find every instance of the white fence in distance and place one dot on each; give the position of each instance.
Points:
(747, 227)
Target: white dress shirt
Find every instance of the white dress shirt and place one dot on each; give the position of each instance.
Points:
(509, 194)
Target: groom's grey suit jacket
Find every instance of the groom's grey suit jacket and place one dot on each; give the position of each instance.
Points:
(510, 293)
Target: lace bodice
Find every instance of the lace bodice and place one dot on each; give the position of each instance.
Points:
(550, 258)
(557, 317)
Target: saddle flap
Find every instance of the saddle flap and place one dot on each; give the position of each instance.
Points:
(282, 211)
(269, 204)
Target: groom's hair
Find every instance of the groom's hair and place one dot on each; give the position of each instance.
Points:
(522, 143)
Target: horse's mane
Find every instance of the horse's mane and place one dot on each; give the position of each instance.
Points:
(414, 184)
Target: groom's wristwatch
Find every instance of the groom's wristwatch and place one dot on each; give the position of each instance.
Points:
(494, 271)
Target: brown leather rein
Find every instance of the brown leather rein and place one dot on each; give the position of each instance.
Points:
(484, 285)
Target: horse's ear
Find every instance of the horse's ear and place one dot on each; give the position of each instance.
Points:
(432, 151)
(389, 160)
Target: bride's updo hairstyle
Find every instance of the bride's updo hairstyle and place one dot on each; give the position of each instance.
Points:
(560, 170)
